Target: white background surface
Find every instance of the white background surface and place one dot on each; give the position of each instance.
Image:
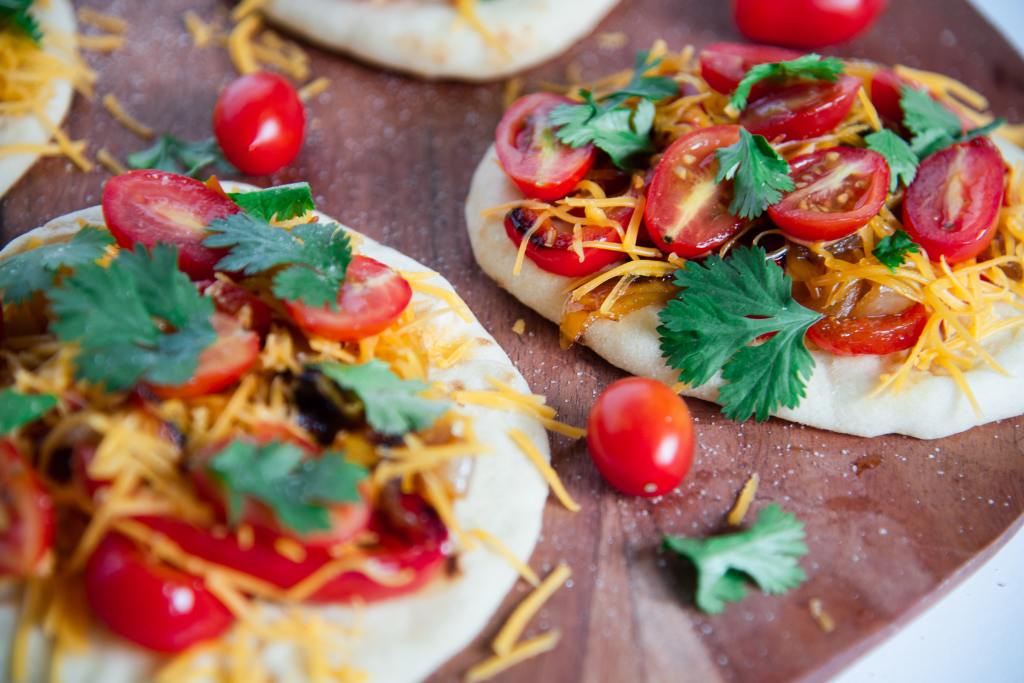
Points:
(976, 633)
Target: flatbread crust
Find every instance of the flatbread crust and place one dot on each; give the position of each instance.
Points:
(841, 392)
(404, 639)
(426, 38)
(56, 15)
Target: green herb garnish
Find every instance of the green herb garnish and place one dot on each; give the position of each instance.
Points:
(724, 307)
(393, 406)
(892, 250)
(299, 489)
(175, 155)
(33, 271)
(140, 319)
(767, 553)
(811, 67)
(18, 409)
(898, 154)
(276, 203)
(934, 127)
(759, 174)
(15, 15)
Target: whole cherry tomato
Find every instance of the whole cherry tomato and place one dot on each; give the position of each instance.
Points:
(805, 23)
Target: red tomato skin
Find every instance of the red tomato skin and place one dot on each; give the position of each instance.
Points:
(871, 336)
(232, 354)
(260, 123)
(232, 299)
(556, 256)
(705, 231)
(27, 537)
(640, 436)
(886, 91)
(975, 168)
(372, 297)
(801, 110)
(805, 23)
(812, 225)
(146, 207)
(523, 162)
(723, 65)
(152, 605)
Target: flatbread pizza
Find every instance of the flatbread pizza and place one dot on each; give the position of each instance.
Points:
(277, 447)
(474, 40)
(835, 243)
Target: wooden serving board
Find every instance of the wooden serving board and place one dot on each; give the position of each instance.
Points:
(392, 157)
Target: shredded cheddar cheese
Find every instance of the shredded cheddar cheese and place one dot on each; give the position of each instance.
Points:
(528, 608)
(491, 667)
(113, 105)
(545, 469)
(743, 501)
(519, 326)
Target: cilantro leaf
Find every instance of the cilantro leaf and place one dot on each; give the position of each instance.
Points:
(316, 255)
(283, 202)
(811, 66)
(112, 314)
(34, 271)
(393, 406)
(892, 250)
(725, 305)
(608, 123)
(767, 553)
(297, 488)
(175, 155)
(934, 127)
(898, 154)
(759, 174)
(17, 409)
(15, 15)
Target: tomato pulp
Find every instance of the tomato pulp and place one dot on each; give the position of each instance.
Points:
(801, 110)
(875, 335)
(26, 515)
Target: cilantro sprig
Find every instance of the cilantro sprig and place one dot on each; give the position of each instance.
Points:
(283, 202)
(35, 270)
(723, 308)
(891, 251)
(759, 174)
(898, 154)
(18, 409)
(933, 126)
(15, 15)
(297, 488)
(767, 553)
(620, 131)
(392, 406)
(172, 154)
(315, 256)
(810, 66)
(140, 319)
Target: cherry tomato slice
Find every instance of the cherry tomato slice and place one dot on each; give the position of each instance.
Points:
(151, 604)
(260, 123)
(801, 110)
(687, 211)
(26, 516)
(641, 437)
(805, 23)
(951, 208)
(875, 335)
(372, 297)
(221, 364)
(551, 246)
(887, 95)
(723, 65)
(146, 207)
(837, 191)
(535, 160)
(239, 303)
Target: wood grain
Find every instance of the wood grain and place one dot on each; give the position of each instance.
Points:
(392, 157)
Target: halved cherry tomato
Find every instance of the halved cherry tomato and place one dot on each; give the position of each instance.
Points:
(641, 437)
(687, 211)
(221, 364)
(952, 206)
(874, 335)
(837, 191)
(146, 207)
(551, 246)
(542, 166)
(151, 604)
(26, 516)
(887, 95)
(420, 556)
(805, 23)
(723, 65)
(372, 297)
(801, 110)
(232, 299)
(260, 123)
